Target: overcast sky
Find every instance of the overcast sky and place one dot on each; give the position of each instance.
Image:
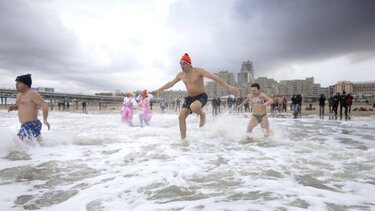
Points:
(86, 46)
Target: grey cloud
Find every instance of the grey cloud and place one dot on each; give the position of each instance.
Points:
(303, 29)
(217, 34)
(33, 39)
(276, 33)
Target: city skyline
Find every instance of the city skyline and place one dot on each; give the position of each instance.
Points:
(88, 47)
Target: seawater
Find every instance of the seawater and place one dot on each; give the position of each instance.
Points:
(94, 162)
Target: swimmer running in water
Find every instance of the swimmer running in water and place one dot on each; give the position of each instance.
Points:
(128, 108)
(193, 78)
(27, 103)
(259, 102)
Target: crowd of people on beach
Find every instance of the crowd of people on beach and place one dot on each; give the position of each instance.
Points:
(28, 102)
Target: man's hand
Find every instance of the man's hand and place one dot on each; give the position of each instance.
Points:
(47, 124)
(11, 108)
(233, 90)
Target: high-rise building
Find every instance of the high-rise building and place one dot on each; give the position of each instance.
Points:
(365, 88)
(228, 77)
(346, 86)
(216, 90)
(246, 75)
(304, 87)
(268, 85)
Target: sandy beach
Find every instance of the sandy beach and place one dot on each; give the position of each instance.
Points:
(115, 108)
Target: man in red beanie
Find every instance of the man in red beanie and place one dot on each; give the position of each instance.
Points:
(27, 103)
(193, 78)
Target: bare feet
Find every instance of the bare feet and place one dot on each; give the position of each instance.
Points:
(202, 119)
(246, 140)
(249, 139)
(268, 134)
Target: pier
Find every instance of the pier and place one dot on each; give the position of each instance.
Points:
(54, 97)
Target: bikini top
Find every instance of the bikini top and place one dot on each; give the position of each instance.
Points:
(259, 100)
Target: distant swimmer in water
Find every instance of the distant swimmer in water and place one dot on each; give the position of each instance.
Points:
(193, 78)
(259, 102)
(128, 108)
(145, 114)
(27, 103)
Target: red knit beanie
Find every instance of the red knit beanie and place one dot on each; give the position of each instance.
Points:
(186, 58)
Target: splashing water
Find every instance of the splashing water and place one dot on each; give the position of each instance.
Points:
(94, 162)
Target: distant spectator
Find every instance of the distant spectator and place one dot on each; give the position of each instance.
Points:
(322, 104)
(284, 104)
(178, 104)
(343, 105)
(218, 104)
(214, 106)
(330, 104)
(295, 106)
(335, 105)
(84, 109)
(299, 101)
(162, 106)
(349, 102)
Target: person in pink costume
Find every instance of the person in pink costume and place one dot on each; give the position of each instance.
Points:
(144, 103)
(128, 108)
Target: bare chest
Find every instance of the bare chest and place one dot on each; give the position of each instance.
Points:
(25, 101)
(192, 78)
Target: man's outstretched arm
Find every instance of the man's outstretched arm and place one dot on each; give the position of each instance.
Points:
(167, 85)
(220, 81)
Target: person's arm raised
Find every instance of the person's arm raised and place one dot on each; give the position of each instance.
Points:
(167, 85)
(231, 89)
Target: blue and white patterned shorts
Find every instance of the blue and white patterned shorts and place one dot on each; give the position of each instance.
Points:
(30, 129)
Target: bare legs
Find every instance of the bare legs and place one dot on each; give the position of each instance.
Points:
(266, 126)
(196, 107)
(184, 113)
(253, 123)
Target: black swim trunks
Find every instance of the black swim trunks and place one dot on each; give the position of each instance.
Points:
(190, 99)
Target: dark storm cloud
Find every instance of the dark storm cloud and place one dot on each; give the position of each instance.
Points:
(33, 38)
(274, 33)
(217, 34)
(313, 29)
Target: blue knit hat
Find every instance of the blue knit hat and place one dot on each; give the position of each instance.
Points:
(26, 79)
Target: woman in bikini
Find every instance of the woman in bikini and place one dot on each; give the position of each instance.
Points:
(259, 102)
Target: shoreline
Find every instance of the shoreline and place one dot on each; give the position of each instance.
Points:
(109, 108)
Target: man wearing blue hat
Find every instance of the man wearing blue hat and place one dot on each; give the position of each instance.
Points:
(27, 103)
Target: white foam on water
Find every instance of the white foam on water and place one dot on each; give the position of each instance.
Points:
(95, 162)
